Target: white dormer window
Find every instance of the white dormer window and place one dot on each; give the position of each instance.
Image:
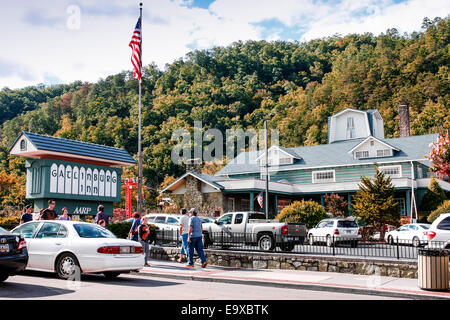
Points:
(361, 154)
(372, 148)
(351, 133)
(276, 156)
(384, 153)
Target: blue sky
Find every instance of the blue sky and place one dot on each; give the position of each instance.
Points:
(60, 41)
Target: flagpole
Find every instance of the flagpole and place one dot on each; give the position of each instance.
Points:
(139, 202)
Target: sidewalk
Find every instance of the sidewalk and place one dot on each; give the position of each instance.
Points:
(305, 280)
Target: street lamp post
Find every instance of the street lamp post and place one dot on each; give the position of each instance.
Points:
(267, 169)
(266, 142)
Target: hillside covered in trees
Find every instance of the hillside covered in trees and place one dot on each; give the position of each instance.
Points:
(231, 87)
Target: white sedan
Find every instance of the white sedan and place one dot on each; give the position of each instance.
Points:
(414, 233)
(70, 247)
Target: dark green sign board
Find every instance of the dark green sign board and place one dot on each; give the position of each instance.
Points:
(78, 186)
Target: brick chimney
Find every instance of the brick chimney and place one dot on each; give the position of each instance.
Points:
(403, 113)
(194, 165)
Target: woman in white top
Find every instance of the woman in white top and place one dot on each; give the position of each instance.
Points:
(184, 231)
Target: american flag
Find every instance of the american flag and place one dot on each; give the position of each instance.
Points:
(260, 199)
(135, 45)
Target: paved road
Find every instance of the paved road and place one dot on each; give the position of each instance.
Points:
(38, 285)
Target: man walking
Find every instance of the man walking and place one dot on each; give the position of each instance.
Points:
(143, 233)
(101, 215)
(27, 216)
(49, 213)
(184, 231)
(195, 239)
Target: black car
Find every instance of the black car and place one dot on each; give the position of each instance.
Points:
(13, 254)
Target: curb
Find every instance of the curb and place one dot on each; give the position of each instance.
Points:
(302, 286)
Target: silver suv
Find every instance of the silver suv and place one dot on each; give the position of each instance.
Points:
(335, 230)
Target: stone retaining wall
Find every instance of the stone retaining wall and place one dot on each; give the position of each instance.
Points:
(262, 260)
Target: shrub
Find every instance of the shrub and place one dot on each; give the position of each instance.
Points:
(443, 208)
(307, 212)
(121, 230)
(9, 223)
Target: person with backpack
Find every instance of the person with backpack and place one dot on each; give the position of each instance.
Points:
(133, 234)
(144, 235)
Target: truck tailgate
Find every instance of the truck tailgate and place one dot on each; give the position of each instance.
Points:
(296, 230)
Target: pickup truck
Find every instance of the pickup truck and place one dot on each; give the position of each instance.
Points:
(252, 228)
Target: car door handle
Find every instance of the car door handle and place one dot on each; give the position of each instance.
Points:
(58, 243)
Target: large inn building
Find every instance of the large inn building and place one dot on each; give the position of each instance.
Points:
(356, 143)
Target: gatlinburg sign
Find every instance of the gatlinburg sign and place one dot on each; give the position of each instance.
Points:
(77, 174)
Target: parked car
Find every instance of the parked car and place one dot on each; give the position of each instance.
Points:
(249, 228)
(206, 220)
(413, 233)
(438, 235)
(13, 254)
(334, 230)
(66, 247)
(168, 224)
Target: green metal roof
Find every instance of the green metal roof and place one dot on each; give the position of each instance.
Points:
(335, 154)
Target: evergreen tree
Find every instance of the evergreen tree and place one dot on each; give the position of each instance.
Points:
(375, 203)
(434, 196)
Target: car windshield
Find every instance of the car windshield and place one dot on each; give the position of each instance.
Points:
(425, 226)
(256, 216)
(347, 224)
(3, 230)
(85, 230)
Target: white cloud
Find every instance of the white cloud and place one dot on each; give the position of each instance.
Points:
(41, 44)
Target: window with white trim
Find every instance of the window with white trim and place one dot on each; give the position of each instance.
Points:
(361, 154)
(323, 176)
(351, 133)
(384, 153)
(392, 171)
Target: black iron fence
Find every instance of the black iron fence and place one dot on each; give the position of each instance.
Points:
(320, 246)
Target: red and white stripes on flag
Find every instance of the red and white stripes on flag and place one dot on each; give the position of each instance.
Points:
(260, 199)
(135, 45)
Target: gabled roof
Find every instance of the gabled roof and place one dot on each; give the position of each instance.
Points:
(213, 181)
(335, 154)
(369, 138)
(287, 151)
(48, 146)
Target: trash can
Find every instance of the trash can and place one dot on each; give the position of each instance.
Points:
(433, 271)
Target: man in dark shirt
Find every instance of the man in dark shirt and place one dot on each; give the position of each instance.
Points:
(49, 213)
(101, 215)
(26, 216)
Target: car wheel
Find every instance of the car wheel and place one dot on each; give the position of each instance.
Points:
(329, 241)
(390, 240)
(67, 266)
(265, 242)
(205, 240)
(287, 246)
(3, 277)
(311, 240)
(416, 242)
(110, 275)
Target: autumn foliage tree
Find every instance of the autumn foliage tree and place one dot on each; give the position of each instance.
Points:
(440, 156)
(335, 204)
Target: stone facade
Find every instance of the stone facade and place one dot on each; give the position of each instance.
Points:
(259, 260)
(193, 197)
